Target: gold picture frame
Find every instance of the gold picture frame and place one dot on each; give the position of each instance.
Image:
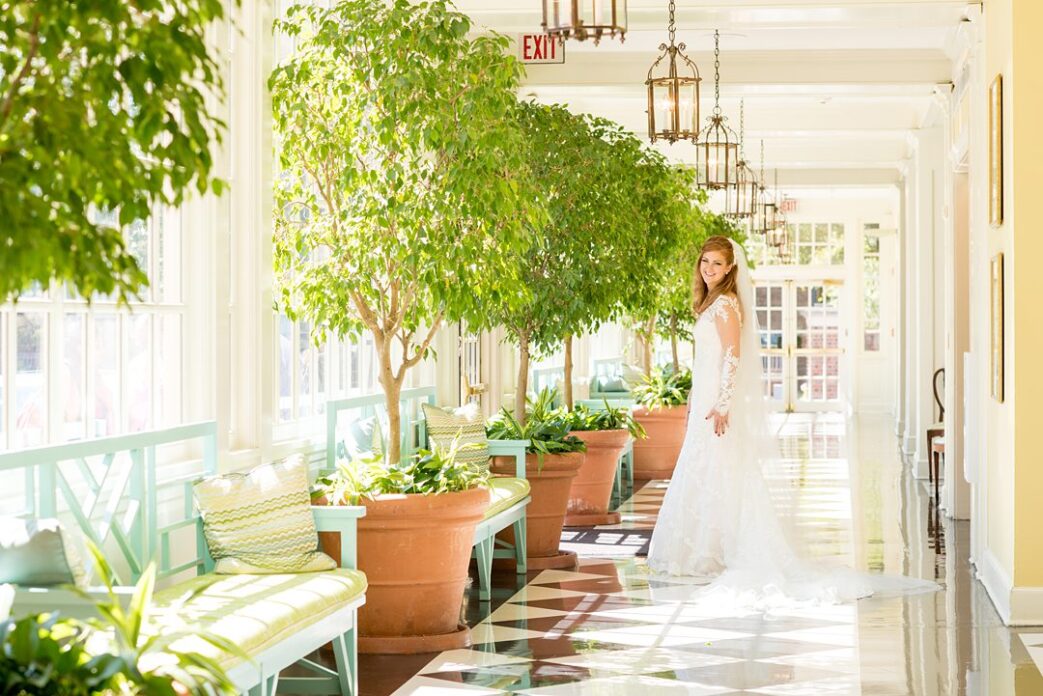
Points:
(996, 327)
(996, 152)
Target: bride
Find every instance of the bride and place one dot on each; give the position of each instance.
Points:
(729, 513)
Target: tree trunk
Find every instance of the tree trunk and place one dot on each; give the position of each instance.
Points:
(567, 387)
(648, 337)
(673, 344)
(523, 379)
(392, 394)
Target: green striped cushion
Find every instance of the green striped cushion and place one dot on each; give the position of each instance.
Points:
(261, 521)
(444, 424)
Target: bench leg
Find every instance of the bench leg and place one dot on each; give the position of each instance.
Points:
(484, 553)
(521, 556)
(629, 459)
(345, 650)
(617, 487)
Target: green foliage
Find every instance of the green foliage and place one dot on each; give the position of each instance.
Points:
(404, 186)
(425, 473)
(112, 653)
(546, 428)
(102, 107)
(609, 418)
(400, 196)
(599, 245)
(664, 388)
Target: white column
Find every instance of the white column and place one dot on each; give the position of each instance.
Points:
(909, 298)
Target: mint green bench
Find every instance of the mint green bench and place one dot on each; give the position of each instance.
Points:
(132, 496)
(510, 495)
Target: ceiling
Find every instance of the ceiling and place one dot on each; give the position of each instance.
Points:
(834, 88)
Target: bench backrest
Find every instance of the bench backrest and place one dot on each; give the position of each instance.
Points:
(342, 412)
(122, 493)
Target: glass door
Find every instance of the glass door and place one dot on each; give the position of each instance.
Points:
(800, 332)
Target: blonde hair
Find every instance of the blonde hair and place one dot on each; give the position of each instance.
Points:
(702, 296)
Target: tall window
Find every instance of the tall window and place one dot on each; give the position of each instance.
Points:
(70, 370)
(871, 290)
(310, 375)
(818, 243)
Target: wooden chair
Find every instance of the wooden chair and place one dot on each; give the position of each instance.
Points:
(937, 457)
(936, 429)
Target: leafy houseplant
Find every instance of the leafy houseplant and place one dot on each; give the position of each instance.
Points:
(421, 514)
(102, 106)
(583, 419)
(404, 190)
(425, 473)
(662, 399)
(553, 458)
(547, 428)
(606, 433)
(663, 389)
(110, 654)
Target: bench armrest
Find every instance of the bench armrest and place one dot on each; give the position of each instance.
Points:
(510, 448)
(341, 519)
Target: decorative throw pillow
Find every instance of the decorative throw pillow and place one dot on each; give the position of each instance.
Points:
(362, 438)
(466, 422)
(611, 384)
(632, 375)
(261, 521)
(38, 553)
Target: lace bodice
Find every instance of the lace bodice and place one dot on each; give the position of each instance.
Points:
(716, 362)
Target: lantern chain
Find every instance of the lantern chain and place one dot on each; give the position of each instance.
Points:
(742, 128)
(716, 73)
(673, 26)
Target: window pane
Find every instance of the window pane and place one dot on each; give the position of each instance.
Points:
(106, 357)
(30, 384)
(285, 368)
(168, 370)
(74, 378)
(303, 370)
(137, 374)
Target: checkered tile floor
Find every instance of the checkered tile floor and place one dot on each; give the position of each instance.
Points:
(607, 628)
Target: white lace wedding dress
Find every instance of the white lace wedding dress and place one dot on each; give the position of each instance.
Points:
(720, 519)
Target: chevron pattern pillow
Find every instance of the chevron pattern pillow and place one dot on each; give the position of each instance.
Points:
(261, 521)
(444, 424)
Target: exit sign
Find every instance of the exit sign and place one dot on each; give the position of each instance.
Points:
(540, 49)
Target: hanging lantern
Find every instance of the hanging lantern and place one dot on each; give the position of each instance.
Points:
(742, 204)
(758, 223)
(585, 19)
(673, 93)
(771, 211)
(717, 147)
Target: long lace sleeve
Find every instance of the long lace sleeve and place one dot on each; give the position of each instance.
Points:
(729, 324)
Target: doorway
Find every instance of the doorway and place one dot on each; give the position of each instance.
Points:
(801, 336)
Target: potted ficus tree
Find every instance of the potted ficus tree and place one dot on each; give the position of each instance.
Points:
(552, 459)
(605, 432)
(402, 195)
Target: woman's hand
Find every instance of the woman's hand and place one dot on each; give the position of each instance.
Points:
(720, 421)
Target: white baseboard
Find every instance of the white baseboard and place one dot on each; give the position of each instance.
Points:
(1026, 606)
(997, 583)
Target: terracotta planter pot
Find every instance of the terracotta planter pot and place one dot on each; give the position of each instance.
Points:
(656, 456)
(591, 491)
(546, 513)
(414, 550)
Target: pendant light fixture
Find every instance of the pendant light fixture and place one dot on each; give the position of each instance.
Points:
(759, 224)
(772, 213)
(742, 204)
(717, 147)
(673, 92)
(585, 19)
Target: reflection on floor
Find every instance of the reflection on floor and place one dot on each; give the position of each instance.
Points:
(607, 628)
